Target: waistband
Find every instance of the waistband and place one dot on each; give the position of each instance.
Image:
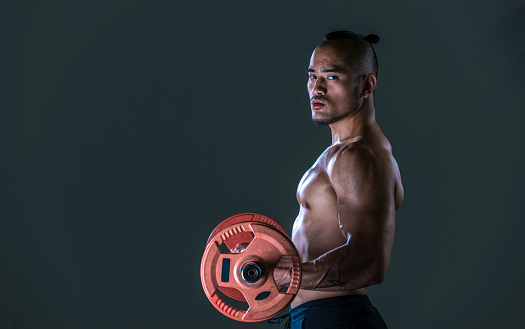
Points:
(329, 304)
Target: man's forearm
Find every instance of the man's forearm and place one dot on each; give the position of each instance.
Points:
(341, 270)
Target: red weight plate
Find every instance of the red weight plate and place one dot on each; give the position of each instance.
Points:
(226, 270)
(244, 237)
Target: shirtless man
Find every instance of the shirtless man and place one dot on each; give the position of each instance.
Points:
(345, 228)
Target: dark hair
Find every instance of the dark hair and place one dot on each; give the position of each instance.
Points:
(365, 55)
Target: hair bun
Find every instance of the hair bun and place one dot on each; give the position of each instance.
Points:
(372, 38)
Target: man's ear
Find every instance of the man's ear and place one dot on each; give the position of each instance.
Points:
(370, 82)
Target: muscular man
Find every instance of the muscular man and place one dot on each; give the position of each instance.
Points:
(345, 228)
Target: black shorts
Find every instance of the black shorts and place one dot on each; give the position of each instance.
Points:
(342, 312)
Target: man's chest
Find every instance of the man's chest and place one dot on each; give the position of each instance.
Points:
(315, 188)
(316, 228)
(315, 191)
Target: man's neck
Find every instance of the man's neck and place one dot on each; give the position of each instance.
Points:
(353, 126)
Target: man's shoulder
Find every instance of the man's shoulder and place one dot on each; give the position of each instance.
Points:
(359, 160)
(352, 153)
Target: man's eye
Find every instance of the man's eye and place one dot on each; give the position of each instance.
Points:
(311, 77)
(332, 77)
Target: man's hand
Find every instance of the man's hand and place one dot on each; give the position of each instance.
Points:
(240, 247)
(282, 272)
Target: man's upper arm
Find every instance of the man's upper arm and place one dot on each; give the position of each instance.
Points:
(364, 186)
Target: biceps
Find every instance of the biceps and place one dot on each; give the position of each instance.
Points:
(364, 225)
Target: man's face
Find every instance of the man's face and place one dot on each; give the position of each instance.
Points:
(334, 95)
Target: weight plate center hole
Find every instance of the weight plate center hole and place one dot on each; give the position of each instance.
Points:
(251, 272)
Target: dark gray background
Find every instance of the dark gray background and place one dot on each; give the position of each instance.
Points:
(129, 129)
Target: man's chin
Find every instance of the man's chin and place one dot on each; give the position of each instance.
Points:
(319, 119)
(328, 120)
(320, 122)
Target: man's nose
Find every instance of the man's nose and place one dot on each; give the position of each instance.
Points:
(319, 87)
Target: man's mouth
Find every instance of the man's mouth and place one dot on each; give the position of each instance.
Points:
(317, 103)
